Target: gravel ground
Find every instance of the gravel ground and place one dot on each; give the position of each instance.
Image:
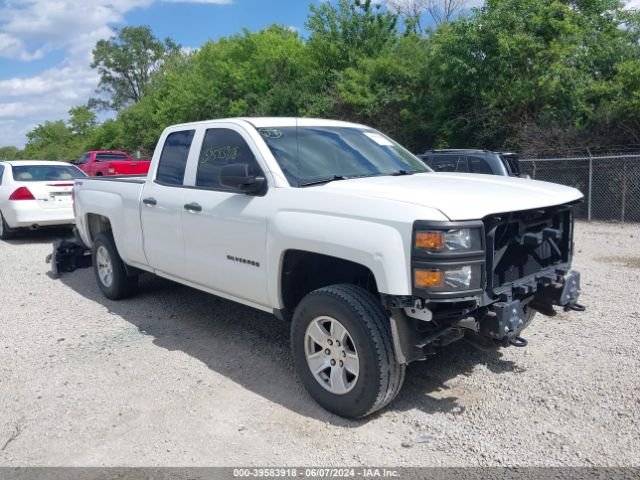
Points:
(178, 377)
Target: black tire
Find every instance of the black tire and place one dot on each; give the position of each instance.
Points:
(121, 285)
(6, 233)
(380, 375)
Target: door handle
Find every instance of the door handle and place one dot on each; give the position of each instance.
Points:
(149, 201)
(193, 207)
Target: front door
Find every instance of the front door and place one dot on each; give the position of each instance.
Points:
(225, 231)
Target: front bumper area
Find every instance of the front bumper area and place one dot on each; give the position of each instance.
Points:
(487, 326)
(508, 319)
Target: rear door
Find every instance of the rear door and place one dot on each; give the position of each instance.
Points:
(225, 230)
(163, 204)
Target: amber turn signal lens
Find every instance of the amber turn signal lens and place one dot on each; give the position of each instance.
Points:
(428, 279)
(430, 240)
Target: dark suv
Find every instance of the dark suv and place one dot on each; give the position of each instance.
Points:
(473, 161)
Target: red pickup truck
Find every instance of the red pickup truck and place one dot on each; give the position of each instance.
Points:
(109, 162)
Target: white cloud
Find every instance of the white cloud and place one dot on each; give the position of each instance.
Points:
(59, 24)
(14, 48)
(27, 102)
(57, 80)
(29, 30)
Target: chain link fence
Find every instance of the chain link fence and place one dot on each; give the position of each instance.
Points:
(610, 183)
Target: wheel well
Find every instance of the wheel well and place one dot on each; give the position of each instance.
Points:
(304, 272)
(97, 224)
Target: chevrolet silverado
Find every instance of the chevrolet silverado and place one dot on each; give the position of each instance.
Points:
(375, 260)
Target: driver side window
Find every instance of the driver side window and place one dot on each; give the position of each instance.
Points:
(84, 158)
(220, 147)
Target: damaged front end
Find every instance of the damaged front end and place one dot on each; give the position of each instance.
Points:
(516, 265)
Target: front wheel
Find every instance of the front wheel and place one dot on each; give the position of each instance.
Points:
(343, 351)
(110, 271)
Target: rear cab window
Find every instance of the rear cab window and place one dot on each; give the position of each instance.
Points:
(173, 159)
(111, 157)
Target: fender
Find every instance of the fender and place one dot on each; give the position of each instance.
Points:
(382, 248)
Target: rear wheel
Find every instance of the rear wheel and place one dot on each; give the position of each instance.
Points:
(110, 271)
(343, 351)
(6, 233)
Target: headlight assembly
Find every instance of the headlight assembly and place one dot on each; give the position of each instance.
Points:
(448, 279)
(448, 241)
(448, 259)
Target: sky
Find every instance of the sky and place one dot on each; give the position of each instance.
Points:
(45, 45)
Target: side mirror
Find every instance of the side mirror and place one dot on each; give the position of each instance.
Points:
(236, 176)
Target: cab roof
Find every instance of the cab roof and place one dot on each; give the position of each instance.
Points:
(262, 122)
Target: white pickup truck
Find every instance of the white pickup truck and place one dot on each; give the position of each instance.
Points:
(374, 259)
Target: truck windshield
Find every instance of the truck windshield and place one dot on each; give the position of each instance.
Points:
(314, 155)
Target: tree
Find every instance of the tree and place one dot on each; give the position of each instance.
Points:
(82, 120)
(390, 92)
(515, 74)
(107, 136)
(9, 153)
(262, 73)
(517, 63)
(342, 34)
(125, 63)
(51, 141)
(412, 11)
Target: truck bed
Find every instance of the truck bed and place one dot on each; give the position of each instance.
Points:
(116, 198)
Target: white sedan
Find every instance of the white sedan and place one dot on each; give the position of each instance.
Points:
(35, 194)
